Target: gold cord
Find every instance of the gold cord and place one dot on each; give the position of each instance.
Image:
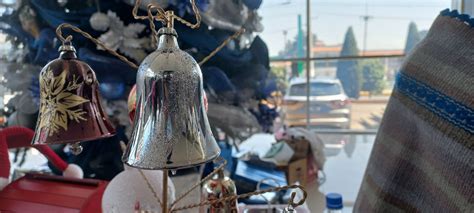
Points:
(196, 13)
(246, 195)
(150, 187)
(150, 16)
(220, 160)
(215, 51)
(68, 39)
(161, 15)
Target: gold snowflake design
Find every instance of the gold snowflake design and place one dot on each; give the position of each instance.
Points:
(57, 101)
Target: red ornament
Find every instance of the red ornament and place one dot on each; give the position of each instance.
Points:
(70, 109)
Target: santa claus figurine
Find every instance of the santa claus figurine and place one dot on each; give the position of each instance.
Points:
(16, 137)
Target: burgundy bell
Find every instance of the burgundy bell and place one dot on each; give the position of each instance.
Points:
(70, 109)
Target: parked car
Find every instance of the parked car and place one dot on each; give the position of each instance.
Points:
(329, 105)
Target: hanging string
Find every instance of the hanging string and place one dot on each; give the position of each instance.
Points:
(215, 51)
(68, 39)
(155, 195)
(97, 5)
(222, 163)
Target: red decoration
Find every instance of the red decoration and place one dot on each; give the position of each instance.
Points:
(70, 108)
(44, 193)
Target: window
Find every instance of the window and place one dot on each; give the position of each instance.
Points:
(360, 42)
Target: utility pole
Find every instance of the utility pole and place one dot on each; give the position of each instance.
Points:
(300, 48)
(366, 18)
(308, 61)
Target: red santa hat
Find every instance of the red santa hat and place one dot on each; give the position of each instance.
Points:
(16, 137)
(4, 162)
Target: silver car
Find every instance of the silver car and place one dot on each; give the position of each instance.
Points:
(329, 105)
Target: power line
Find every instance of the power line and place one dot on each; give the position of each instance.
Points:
(377, 17)
(351, 4)
(285, 3)
(366, 19)
(322, 14)
(281, 30)
(357, 15)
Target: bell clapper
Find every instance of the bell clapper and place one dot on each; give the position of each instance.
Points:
(289, 209)
(76, 148)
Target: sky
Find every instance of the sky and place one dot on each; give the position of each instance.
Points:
(387, 29)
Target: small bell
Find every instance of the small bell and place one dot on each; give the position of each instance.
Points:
(219, 187)
(289, 210)
(70, 109)
(76, 148)
(171, 129)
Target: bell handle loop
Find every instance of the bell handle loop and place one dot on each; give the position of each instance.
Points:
(68, 39)
(165, 17)
(160, 16)
(292, 203)
(246, 195)
(220, 161)
(151, 18)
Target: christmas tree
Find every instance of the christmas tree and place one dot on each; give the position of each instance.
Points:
(347, 70)
(30, 29)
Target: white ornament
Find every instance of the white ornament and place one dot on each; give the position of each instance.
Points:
(124, 38)
(3, 182)
(99, 21)
(62, 3)
(144, 3)
(74, 171)
(129, 188)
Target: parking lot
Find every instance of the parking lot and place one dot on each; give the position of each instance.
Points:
(367, 114)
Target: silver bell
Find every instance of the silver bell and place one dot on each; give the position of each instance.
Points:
(171, 129)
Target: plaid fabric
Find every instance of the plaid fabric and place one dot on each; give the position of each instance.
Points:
(423, 158)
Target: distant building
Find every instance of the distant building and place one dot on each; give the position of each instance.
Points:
(327, 68)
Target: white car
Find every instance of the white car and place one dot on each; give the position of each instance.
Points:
(329, 105)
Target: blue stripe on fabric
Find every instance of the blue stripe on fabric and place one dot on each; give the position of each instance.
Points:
(455, 14)
(440, 104)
